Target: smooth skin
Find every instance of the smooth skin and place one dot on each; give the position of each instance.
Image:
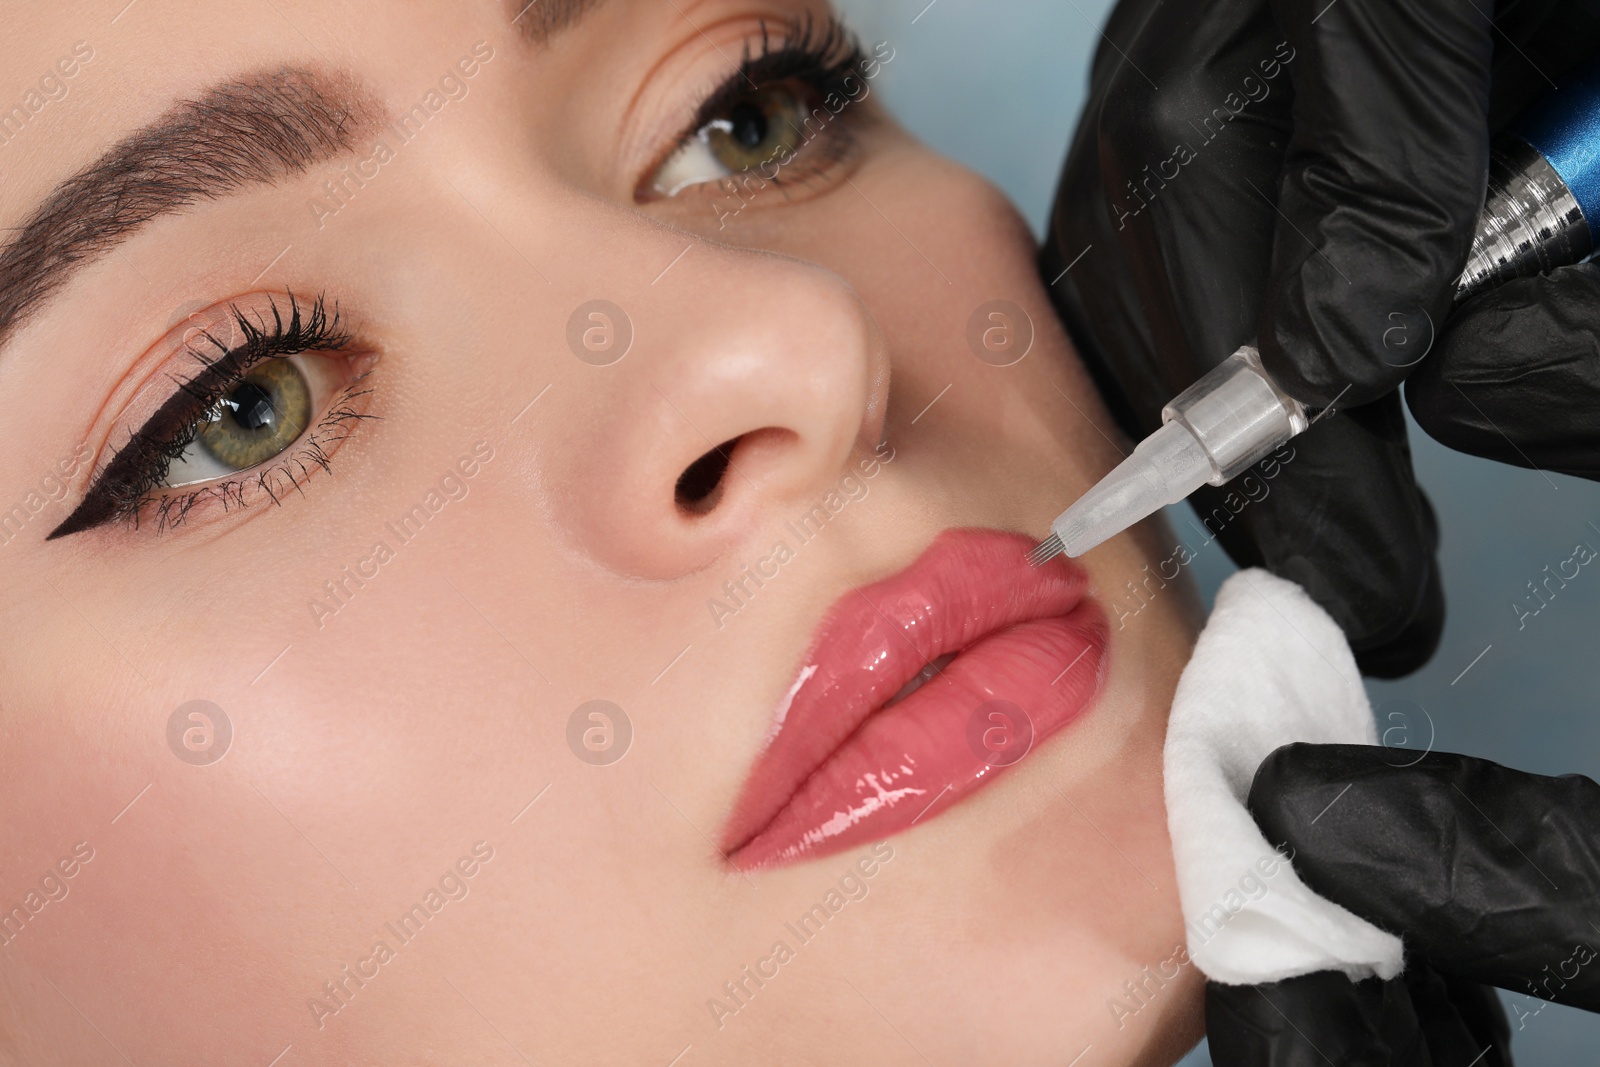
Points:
(377, 745)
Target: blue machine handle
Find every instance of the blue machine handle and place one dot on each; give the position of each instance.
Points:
(1564, 127)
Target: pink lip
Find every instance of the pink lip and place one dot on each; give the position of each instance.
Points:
(841, 767)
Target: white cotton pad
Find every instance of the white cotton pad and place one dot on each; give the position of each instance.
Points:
(1270, 667)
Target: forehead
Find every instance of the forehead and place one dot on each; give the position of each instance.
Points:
(120, 117)
(74, 77)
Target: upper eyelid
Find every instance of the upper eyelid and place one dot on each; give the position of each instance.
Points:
(156, 373)
(654, 129)
(797, 48)
(186, 338)
(254, 341)
(225, 357)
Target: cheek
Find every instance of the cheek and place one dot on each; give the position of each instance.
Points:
(925, 241)
(965, 307)
(917, 233)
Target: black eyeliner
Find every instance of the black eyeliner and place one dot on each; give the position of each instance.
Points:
(139, 467)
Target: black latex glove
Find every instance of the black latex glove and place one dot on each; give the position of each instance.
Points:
(1516, 377)
(1303, 174)
(1489, 875)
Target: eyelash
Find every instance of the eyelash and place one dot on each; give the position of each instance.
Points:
(133, 478)
(817, 54)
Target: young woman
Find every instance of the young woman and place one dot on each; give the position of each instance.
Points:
(512, 553)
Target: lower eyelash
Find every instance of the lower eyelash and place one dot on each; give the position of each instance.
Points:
(273, 479)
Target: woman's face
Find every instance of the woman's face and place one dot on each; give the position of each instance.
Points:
(385, 384)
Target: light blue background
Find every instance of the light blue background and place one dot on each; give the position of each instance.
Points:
(999, 86)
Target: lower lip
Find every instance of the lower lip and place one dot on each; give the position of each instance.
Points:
(996, 701)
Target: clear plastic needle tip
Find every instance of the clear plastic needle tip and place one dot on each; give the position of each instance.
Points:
(1211, 432)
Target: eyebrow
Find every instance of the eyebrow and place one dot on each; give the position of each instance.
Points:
(540, 20)
(255, 130)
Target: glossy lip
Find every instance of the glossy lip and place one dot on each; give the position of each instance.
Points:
(846, 762)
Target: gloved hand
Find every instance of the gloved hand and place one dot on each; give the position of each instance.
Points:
(1304, 174)
(1489, 875)
(1516, 377)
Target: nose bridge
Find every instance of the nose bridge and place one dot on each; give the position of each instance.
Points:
(723, 385)
(768, 333)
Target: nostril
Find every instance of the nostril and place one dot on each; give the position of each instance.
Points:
(700, 485)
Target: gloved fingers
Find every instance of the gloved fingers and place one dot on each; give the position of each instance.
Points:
(1337, 510)
(1419, 1018)
(1192, 122)
(1314, 1020)
(1411, 642)
(1166, 223)
(1097, 303)
(1169, 187)
(1462, 1022)
(1516, 375)
(1168, 272)
(1542, 40)
(1491, 874)
(1084, 270)
(1383, 181)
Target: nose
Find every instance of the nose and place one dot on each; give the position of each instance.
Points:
(750, 381)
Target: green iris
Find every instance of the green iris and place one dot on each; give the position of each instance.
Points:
(263, 414)
(765, 126)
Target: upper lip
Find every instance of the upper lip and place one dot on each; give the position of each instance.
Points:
(876, 638)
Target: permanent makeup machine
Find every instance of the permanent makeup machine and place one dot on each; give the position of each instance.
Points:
(1541, 211)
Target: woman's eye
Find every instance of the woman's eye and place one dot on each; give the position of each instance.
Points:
(259, 418)
(763, 129)
(277, 393)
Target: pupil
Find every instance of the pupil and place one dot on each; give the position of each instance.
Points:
(252, 406)
(749, 124)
